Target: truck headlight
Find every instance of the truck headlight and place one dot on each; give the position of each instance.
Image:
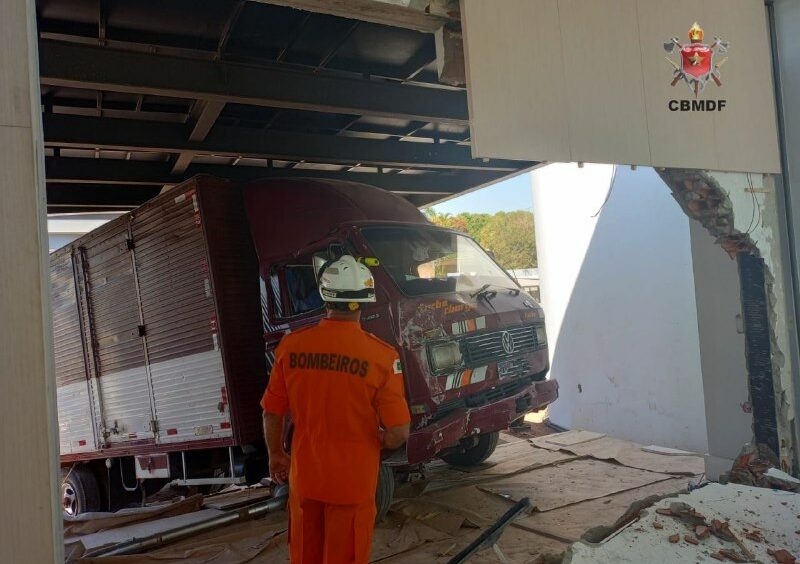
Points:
(444, 356)
(541, 335)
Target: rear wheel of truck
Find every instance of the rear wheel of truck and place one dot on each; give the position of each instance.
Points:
(384, 492)
(475, 454)
(79, 491)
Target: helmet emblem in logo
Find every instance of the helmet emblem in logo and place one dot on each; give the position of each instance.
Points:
(508, 342)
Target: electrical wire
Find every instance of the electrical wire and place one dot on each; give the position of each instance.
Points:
(608, 194)
(754, 222)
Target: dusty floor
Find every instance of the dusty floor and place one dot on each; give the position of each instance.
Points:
(577, 482)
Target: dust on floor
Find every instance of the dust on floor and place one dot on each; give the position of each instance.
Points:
(575, 483)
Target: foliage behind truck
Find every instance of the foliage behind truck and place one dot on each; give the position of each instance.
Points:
(166, 320)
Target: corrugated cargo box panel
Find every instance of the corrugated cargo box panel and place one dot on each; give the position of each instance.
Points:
(179, 312)
(114, 317)
(76, 431)
(235, 278)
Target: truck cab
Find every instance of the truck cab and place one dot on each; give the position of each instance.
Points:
(472, 343)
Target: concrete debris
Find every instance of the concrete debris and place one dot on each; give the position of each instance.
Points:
(756, 465)
(724, 523)
(780, 480)
(432, 524)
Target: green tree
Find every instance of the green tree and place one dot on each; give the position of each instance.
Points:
(510, 237)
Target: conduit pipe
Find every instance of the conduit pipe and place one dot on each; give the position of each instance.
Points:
(135, 546)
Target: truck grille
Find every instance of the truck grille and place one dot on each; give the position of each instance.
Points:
(484, 348)
(485, 396)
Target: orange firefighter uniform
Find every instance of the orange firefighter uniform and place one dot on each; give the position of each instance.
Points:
(339, 383)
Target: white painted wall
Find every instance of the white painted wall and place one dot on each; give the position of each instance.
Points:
(619, 299)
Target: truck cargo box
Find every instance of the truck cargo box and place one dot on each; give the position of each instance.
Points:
(158, 330)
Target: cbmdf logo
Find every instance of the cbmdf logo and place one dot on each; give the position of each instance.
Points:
(699, 63)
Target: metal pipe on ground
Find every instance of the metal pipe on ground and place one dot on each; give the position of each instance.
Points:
(135, 546)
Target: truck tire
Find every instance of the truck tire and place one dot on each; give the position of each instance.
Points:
(79, 492)
(384, 492)
(476, 454)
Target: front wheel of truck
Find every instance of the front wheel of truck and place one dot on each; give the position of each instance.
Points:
(475, 454)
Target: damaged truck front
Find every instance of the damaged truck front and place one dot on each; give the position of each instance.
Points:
(166, 321)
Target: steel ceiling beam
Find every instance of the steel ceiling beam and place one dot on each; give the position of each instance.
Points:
(110, 172)
(97, 68)
(71, 197)
(132, 135)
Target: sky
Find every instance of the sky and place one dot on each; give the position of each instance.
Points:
(509, 195)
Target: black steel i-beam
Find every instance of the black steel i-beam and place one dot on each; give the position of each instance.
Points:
(110, 172)
(134, 135)
(91, 67)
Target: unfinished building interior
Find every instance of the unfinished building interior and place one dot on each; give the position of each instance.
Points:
(105, 104)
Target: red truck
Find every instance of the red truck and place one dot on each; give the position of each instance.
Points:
(166, 320)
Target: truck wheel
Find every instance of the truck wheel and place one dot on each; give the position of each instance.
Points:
(80, 492)
(384, 492)
(476, 454)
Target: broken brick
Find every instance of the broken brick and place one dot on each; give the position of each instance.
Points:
(674, 538)
(657, 525)
(722, 530)
(691, 540)
(754, 536)
(782, 556)
(663, 511)
(701, 531)
(717, 556)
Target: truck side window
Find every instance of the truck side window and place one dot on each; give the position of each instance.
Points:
(293, 288)
(301, 286)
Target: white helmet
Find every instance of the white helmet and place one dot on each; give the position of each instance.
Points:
(346, 280)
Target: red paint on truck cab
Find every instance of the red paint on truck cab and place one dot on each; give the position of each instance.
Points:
(472, 343)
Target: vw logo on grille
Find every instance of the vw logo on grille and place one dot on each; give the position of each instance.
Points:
(508, 342)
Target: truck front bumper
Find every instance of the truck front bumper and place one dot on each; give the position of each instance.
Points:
(423, 444)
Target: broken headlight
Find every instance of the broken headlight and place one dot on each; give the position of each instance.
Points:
(541, 335)
(444, 357)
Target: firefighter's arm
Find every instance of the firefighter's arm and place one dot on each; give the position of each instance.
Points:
(275, 404)
(393, 408)
(394, 437)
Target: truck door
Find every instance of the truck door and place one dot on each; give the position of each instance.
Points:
(123, 391)
(290, 299)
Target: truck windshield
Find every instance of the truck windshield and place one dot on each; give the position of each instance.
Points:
(431, 261)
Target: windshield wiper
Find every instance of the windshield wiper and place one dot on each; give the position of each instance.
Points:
(482, 291)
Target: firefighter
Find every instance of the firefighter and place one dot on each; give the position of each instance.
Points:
(344, 390)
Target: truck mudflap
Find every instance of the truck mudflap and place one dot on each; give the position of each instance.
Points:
(425, 443)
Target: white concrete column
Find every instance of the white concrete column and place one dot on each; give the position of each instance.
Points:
(30, 523)
(722, 351)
